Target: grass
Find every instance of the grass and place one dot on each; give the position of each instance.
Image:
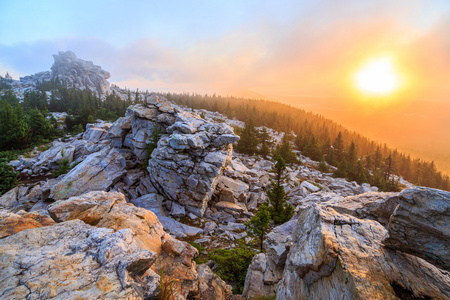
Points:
(166, 287)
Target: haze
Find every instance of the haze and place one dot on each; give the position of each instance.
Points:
(298, 52)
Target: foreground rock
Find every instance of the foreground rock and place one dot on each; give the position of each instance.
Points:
(173, 257)
(420, 225)
(339, 256)
(73, 260)
(11, 223)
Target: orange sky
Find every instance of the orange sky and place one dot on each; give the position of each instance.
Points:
(304, 53)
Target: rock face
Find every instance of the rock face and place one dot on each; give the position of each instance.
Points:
(191, 154)
(72, 71)
(420, 225)
(109, 210)
(97, 172)
(339, 256)
(73, 260)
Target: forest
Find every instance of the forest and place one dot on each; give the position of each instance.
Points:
(356, 157)
(25, 124)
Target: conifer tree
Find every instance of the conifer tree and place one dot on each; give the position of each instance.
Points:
(248, 142)
(280, 210)
(285, 151)
(259, 224)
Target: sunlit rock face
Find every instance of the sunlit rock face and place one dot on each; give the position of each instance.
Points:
(73, 260)
(73, 72)
(335, 255)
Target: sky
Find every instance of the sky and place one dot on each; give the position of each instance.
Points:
(304, 53)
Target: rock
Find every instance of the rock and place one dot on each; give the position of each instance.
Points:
(11, 223)
(109, 210)
(177, 210)
(152, 202)
(231, 206)
(177, 263)
(209, 227)
(339, 256)
(95, 132)
(238, 187)
(118, 130)
(420, 225)
(51, 158)
(254, 281)
(310, 187)
(210, 286)
(266, 270)
(74, 260)
(9, 199)
(74, 72)
(97, 172)
(90, 207)
(371, 205)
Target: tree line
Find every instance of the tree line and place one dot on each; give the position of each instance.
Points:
(356, 157)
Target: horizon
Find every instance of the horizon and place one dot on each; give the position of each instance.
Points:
(301, 54)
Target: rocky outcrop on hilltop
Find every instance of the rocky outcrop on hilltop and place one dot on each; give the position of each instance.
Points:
(73, 72)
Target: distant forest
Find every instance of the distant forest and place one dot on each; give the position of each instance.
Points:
(26, 124)
(325, 140)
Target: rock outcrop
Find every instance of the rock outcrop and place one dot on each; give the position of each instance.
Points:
(97, 172)
(420, 225)
(73, 72)
(190, 156)
(73, 260)
(336, 255)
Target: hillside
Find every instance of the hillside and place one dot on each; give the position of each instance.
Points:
(169, 201)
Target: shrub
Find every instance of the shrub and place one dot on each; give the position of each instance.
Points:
(232, 265)
(63, 168)
(8, 177)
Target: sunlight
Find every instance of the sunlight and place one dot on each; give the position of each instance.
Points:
(378, 76)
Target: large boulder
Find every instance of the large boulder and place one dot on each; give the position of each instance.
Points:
(97, 172)
(420, 225)
(337, 256)
(186, 167)
(109, 210)
(73, 260)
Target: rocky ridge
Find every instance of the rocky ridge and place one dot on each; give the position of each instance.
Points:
(345, 228)
(71, 71)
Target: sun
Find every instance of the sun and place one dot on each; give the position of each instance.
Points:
(378, 76)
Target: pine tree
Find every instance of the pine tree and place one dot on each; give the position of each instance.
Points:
(248, 142)
(338, 147)
(285, 151)
(259, 224)
(280, 210)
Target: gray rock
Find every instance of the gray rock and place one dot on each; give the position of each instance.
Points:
(338, 256)
(97, 172)
(420, 225)
(310, 187)
(177, 210)
(73, 72)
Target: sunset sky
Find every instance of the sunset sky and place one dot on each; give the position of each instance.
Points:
(305, 53)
